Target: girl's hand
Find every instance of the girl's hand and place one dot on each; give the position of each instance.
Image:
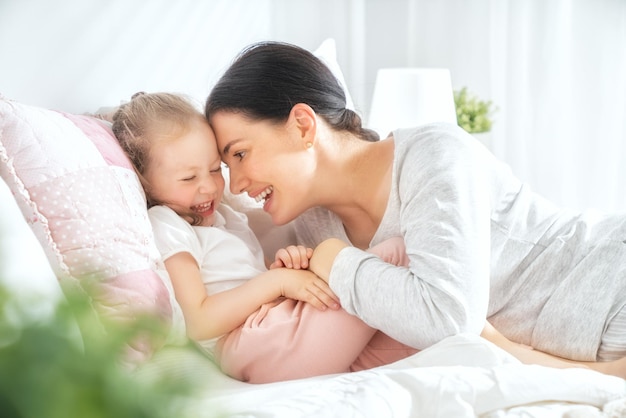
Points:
(292, 257)
(306, 286)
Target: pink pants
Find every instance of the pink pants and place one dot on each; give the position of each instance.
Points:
(289, 339)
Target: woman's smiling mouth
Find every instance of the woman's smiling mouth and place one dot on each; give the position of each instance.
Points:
(264, 194)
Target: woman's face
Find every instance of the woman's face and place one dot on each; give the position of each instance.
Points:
(185, 173)
(268, 161)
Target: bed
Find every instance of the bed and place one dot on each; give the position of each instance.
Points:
(76, 191)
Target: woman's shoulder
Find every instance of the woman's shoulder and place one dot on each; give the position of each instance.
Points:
(432, 135)
(442, 144)
(432, 143)
(436, 153)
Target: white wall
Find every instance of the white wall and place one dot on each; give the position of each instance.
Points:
(78, 55)
(24, 268)
(555, 69)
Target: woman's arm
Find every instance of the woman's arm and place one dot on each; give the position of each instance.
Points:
(528, 355)
(324, 256)
(321, 263)
(208, 316)
(391, 251)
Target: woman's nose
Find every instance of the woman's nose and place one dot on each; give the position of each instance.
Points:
(237, 182)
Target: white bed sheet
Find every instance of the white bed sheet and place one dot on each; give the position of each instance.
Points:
(462, 376)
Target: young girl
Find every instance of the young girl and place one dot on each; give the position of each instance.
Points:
(292, 324)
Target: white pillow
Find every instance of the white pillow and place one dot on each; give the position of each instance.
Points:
(327, 52)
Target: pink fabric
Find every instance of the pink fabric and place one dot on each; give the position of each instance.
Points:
(78, 192)
(102, 137)
(289, 339)
(127, 292)
(381, 350)
(89, 219)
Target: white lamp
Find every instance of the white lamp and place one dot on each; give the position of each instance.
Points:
(407, 97)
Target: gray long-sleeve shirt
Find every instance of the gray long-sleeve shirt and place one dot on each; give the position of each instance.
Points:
(481, 245)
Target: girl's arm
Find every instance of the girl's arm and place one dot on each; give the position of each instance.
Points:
(208, 316)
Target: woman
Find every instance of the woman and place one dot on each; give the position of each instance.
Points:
(480, 243)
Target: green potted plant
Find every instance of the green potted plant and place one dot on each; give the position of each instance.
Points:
(472, 114)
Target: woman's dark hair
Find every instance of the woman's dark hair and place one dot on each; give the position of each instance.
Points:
(267, 79)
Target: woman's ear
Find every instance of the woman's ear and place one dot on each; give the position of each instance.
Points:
(304, 119)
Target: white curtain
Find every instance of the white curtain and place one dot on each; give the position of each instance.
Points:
(558, 74)
(555, 69)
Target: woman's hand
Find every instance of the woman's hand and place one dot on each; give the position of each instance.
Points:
(292, 257)
(304, 285)
(324, 256)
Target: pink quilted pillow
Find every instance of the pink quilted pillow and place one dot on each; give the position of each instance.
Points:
(79, 194)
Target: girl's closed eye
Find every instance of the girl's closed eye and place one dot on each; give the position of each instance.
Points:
(188, 178)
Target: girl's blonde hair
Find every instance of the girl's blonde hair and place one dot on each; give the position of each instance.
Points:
(146, 119)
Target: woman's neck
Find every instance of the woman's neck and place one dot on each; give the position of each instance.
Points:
(360, 197)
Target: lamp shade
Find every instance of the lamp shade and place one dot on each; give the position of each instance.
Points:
(407, 97)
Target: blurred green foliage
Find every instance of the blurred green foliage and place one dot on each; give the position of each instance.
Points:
(53, 368)
(472, 114)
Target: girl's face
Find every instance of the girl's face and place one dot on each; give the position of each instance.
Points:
(268, 161)
(185, 172)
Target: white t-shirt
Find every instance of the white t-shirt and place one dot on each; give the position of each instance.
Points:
(228, 253)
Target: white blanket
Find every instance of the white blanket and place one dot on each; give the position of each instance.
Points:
(462, 376)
